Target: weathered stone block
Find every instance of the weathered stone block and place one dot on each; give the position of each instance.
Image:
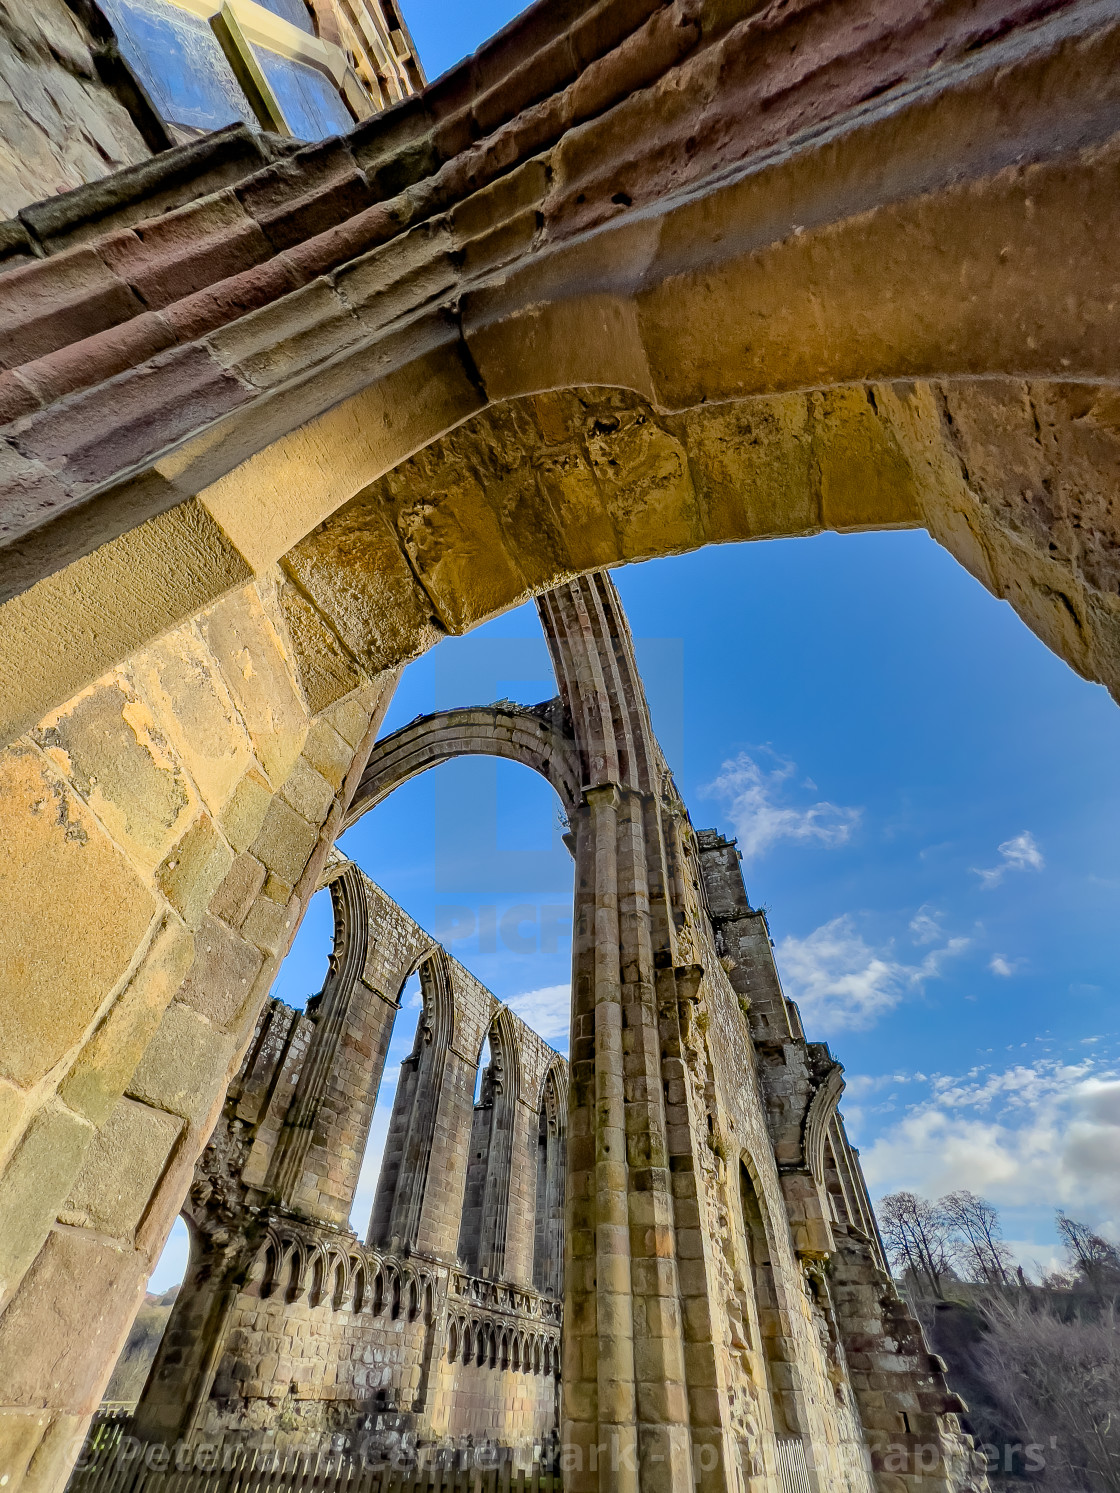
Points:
(33, 1185)
(108, 744)
(194, 869)
(47, 1308)
(329, 753)
(185, 1065)
(109, 1058)
(194, 710)
(326, 670)
(121, 1169)
(350, 719)
(244, 814)
(233, 899)
(286, 841)
(220, 981)
(308, 792)
(255, 664)
(56, 969)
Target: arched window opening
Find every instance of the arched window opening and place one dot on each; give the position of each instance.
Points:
(395, 1298)
(304, 971)
(401, 1043)
(398, 1207)
(548, 1239)
(359, 1299)
(482, 1233)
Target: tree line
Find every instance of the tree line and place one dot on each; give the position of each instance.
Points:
(959, 1237)
(1037, 1362)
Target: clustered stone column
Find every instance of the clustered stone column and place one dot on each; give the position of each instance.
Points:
(640, 1386)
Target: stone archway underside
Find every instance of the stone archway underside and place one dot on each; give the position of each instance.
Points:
(529, 736)
(636, 278)
(700, 202)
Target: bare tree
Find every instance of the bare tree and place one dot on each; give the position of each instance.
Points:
(978, 1245)
(1093, 1258)
(1057, 1378)
(917, 1238)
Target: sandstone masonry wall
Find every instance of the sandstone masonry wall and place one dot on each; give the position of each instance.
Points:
(288, 1332)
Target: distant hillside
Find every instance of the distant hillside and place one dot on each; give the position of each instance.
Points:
(131, 1371)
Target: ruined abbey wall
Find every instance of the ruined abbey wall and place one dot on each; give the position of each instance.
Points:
(634, 279)
(289, 1331)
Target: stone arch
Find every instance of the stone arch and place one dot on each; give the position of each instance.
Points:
(317, 1284)
(378, 1303)
(753, 281)
(548, 1233)
(339, 1282)
(296, 1264)
(485, 1221)
(402, 1186)
(818, 1120)
(949, 185)
(360, 1292)
(331, 1007)
(268, 1265)
(536, 737)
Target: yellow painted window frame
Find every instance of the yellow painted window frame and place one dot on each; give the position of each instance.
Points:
(240, 25)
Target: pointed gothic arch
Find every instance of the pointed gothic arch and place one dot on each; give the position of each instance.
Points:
(484, 1230)
(551, 1168)
(402, 1186)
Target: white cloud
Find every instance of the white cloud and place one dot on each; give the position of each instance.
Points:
(753, 794)
(548, 1011)
(1021, 853)
(1044, 1134)
(840, 981)
(1001, 966)
(925, 927)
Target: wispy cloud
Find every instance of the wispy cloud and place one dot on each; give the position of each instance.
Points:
(548, 1011)
(756, 797)
(925, 927)
(1043, 1134)
(1001, 966)
(1021, 853)
(840, 981)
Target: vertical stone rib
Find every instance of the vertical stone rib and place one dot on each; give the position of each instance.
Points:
(351, 916)
(624, 1379)
(399, 1206)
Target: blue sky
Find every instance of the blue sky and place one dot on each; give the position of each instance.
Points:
(928, 805)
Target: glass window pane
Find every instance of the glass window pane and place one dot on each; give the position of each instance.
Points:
(179, 60)
(291, 10)
(309, 100)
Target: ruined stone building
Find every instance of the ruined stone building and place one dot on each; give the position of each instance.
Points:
(639, 276)
(443, 1326)
(744, 1228)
